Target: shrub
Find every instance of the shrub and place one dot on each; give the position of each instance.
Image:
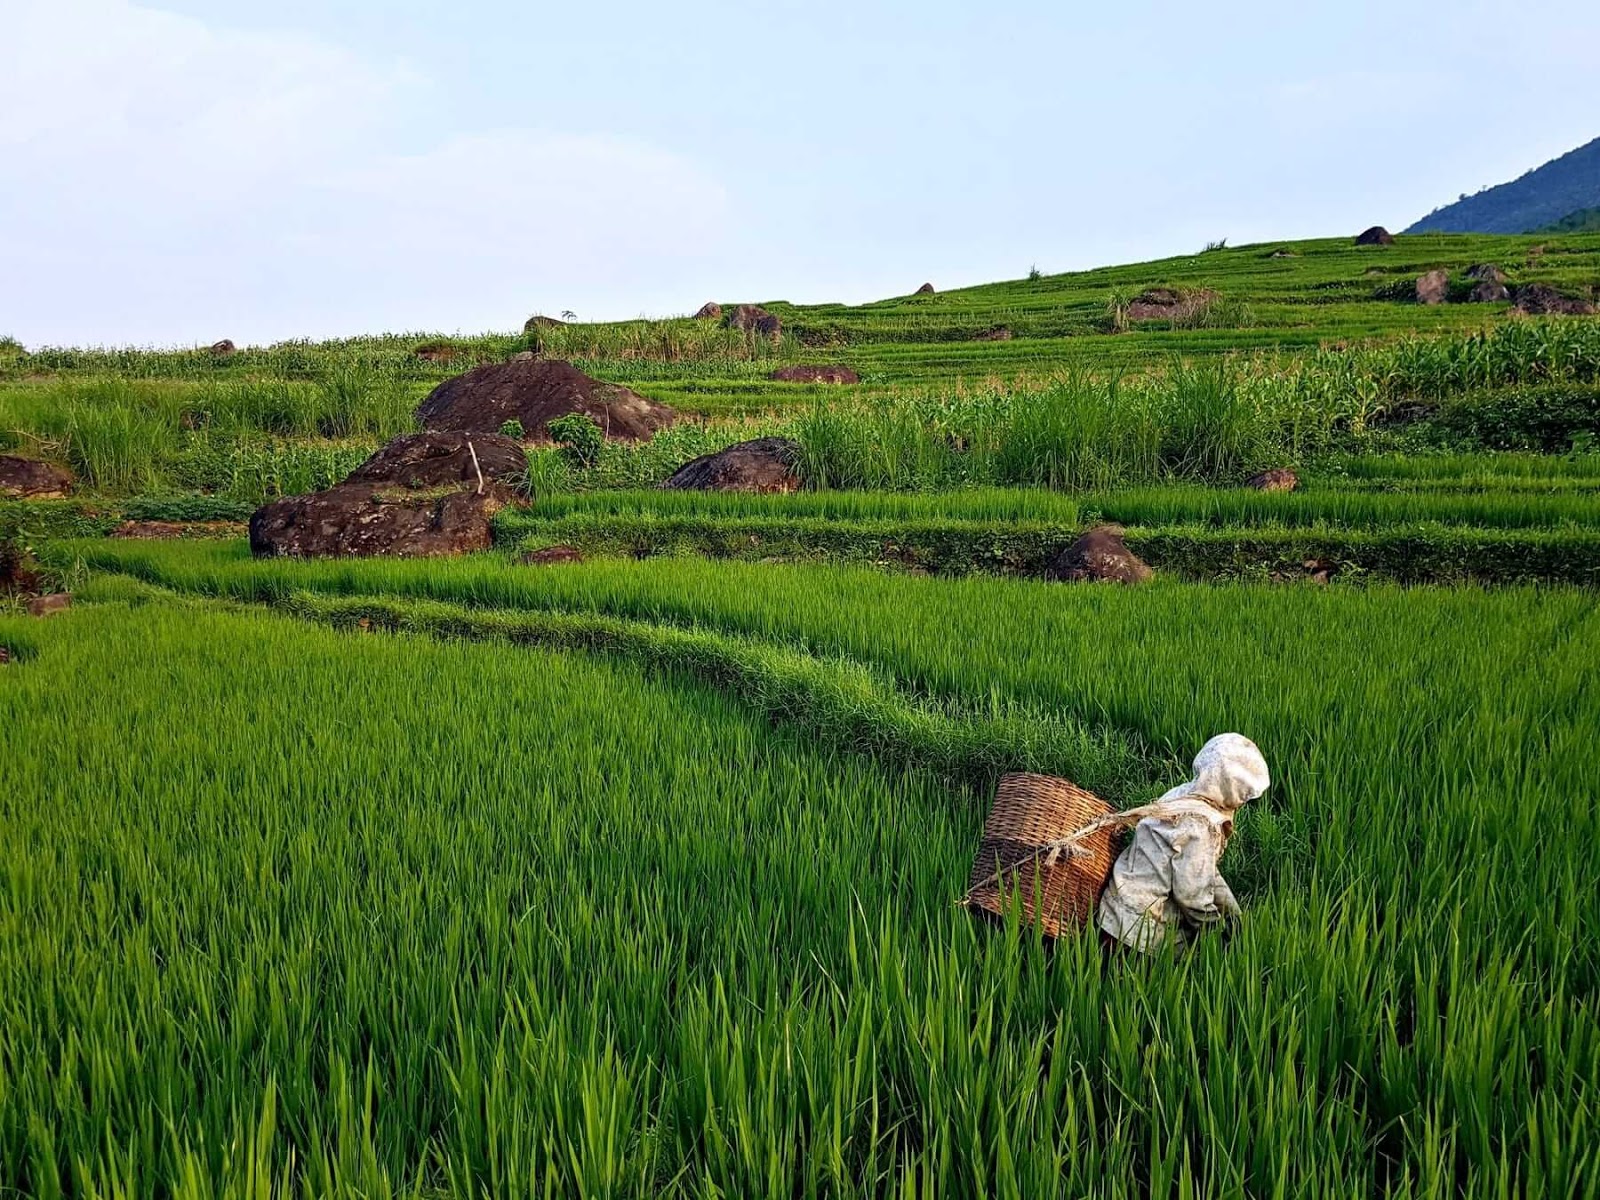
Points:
(1550, 419)
(512, 429)
(580, 436)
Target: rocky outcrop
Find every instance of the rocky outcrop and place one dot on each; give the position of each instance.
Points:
(30, 479)
(764, 465)
(709, 311)
(1279, 479)
(1376, 236)
(752, 318)
(1539, 299)
(1099, 556)
(1433, 287)
(535, 391)
(435, 460)
(358, 519)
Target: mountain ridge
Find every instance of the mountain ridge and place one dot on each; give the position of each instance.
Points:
(1539, 198)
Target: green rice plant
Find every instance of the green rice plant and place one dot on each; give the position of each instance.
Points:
(401, 944)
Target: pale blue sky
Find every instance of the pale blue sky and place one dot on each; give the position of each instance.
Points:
(183, 170)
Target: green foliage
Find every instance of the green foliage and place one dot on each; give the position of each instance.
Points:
(1552, 419)
(580, 436)
(513, 429)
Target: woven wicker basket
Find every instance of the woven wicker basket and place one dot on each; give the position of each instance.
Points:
(1031, 811)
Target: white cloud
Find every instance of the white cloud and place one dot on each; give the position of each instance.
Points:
(165, 181)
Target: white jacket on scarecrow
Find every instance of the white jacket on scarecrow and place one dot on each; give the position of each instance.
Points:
(1167, 877)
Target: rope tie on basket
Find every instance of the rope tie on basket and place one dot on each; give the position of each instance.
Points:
(1071, 845)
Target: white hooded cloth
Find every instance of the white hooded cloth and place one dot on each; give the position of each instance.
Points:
(1168, 875)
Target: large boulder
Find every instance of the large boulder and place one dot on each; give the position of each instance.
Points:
(752, 318)
(763, 465)
(1489, 292)
(709, 311)
(30, 479)
(1539, 299)
(1433, 287)
(1486, 272)
(925, 290)
(1376, 236)
(539, 321)
(224, 348)
(1278, 479)
(435, 460)
(534, 391)
(814, 374)
(1099, 556)
(359, 519)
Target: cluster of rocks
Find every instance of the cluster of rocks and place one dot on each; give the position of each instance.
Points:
(436, 492)
(1490, 286)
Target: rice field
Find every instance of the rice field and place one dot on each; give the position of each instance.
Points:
(637, 879)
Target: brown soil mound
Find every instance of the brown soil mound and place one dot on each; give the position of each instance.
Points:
(925, 290)
(176, 529)
(1279, 479)
(434, 460)
(359, 519)
(223, 348)
(1433, 287)
(535, 391)
(708, 311)
(48, 606)
(763, 465)
(1539, 299)
(30, 479)
(1168, 304)
(549, 556)
(815, 375)
(1376, 236)
(1099, 556)
(752, 318)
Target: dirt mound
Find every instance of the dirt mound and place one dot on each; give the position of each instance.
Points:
(925, 290)
(1376, 236)
(1433, 287)
(752, 318)
(1279, 479)
(535, 391)
(540, 322)
(49, 605)
(223, 348)
(361, 520)
(998, 334)
(434, 460)
(1169, 304)
(30, 479)
(1539, 299)
(810, 374)
(708, 311)
(763, 465)
(166, 530)
(550, 556)
(1099, 556)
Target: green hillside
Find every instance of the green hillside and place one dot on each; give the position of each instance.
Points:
(1585, 220)
(1540, 197)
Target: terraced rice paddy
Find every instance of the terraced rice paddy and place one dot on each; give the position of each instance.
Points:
(636, 877)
